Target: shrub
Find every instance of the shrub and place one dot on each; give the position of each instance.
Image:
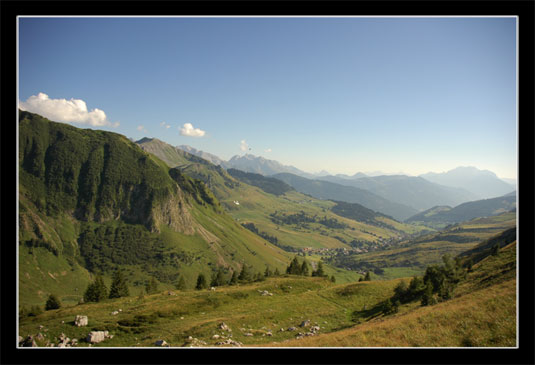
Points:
(53, 302)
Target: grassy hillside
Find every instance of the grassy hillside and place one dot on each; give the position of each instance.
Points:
(275, 313)
(93, 202)
(439, 217)
(414, 255)
(271, 213)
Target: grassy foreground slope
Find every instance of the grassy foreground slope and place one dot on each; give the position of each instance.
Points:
(482, 313)
(93, 202)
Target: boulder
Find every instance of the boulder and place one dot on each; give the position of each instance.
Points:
(80, 321)
(161, 343)
(305, 323)
(223, 326)
(292, 329)
(97, 336)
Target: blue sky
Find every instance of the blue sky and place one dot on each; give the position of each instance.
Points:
(336, 94)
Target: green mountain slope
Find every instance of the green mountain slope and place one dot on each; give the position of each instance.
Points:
(267, 184)
(328, 190)
(296, 221)
(416, 254)
(438, 217)
(93, 201)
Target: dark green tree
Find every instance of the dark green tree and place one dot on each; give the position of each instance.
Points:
(427, 297)
(333, 279)
(245, 274)
(53, 302)
(96, 291)
(218, 278)
(152, 286)
(234, 278)
(277, 272)
(201, 282)
(268, 272)
(495, 250)
(119, 287)
(294, 268)
(367, 277)
(319, 271)
(305, 268)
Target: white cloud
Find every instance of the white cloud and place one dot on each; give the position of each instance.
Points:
(243, 145)
(65, 111)
(268, 150)
(188, 130)
(141, 128)
(164, 124)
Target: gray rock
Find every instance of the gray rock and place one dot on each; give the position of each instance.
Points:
(80, 321)
(223, 326)
(248, 334)
(161, 343)
(292, 329)
(97, 336)
(305, 323)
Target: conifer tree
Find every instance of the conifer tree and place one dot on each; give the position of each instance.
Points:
(234, 279)
(367, 277)
(119, 287)
(218, 278)
(201, 282)
(245, 275)
(304, 268)
(319, 271)
(268, 272)
(333, 279)
(294, 268)
(96, 291)
(277, 272)
(152, 286)
(53, 302)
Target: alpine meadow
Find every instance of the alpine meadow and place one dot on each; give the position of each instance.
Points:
(267, 182)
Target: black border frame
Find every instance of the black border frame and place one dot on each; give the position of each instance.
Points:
(524, 354)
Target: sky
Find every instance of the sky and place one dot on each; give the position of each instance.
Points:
(341, 94)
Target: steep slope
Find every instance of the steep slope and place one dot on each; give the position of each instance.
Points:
(260, 165)
(205, 155)
(93, 201)
(328, 190)
(291, 220)
(441, 216)
(483, 183)
(268, 184)
(414, 192)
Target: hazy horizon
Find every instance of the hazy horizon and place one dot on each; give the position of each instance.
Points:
(341, 94)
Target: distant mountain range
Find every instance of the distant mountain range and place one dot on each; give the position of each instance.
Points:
(483, 183)
(444, 215)
(451, 188)
(332, 191)
(411, 191)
